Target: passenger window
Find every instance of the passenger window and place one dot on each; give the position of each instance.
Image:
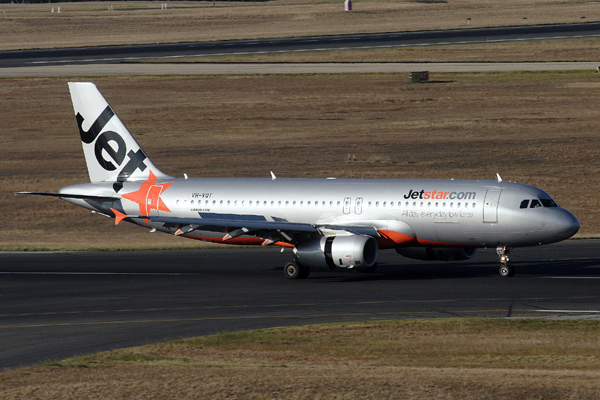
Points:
(524, 204)
(535, 203)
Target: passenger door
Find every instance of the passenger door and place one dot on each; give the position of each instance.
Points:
(490, 205)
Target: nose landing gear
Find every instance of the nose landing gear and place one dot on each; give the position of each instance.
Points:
(506, 270)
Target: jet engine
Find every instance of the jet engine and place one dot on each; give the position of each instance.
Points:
(350, 251)
(437, 253)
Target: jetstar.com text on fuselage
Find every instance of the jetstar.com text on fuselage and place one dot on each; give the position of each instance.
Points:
(438, 195)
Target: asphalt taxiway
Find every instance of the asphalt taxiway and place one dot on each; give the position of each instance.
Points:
(61, 304)
(127, 53)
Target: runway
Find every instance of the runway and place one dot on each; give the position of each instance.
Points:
(131, 59)
(119, 54)
(61, 304)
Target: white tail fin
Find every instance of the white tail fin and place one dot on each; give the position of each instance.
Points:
(111, 153)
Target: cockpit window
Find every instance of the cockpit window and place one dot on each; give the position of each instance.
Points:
(549, 203)
(524, 204)
(535, 203)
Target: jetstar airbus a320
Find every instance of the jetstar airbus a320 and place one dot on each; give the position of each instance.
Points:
(329, 223)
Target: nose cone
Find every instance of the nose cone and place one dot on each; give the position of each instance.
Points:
(566, 224)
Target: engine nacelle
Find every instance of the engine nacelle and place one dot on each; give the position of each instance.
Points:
(351, 251)
(437, 253)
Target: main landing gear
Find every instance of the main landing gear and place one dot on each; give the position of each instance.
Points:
(506, 270)
(295, 270)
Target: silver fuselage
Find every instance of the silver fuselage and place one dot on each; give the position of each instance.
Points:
(479, 213)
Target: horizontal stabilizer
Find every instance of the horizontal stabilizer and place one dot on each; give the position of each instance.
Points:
(73, 196)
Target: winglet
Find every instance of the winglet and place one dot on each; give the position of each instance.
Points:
(119, 216)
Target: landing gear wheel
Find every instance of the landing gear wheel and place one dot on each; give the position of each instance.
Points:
(293, 270)
(507, 271)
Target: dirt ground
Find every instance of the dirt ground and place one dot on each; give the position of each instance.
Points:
(24, 26)
(435, 359)
(535, 128)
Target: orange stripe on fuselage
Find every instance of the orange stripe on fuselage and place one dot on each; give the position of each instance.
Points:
(393, 239)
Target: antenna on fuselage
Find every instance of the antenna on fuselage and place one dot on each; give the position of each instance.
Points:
(499, 178)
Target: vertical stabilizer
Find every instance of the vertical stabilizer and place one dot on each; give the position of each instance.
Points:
(111, 153)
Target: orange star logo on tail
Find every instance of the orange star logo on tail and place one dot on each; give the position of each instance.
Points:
(148, 196)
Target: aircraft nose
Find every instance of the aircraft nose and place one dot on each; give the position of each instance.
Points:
(567, 224)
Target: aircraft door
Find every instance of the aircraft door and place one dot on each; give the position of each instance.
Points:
(358, 206)
(490, 205)
(347, 203)
(152, 200)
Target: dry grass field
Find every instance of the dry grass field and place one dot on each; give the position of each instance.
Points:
(91, 24)
(536, 128)
(426, 359)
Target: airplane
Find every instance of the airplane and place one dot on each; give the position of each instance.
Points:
(328, 223)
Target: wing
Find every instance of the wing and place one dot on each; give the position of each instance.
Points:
(272, 230)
